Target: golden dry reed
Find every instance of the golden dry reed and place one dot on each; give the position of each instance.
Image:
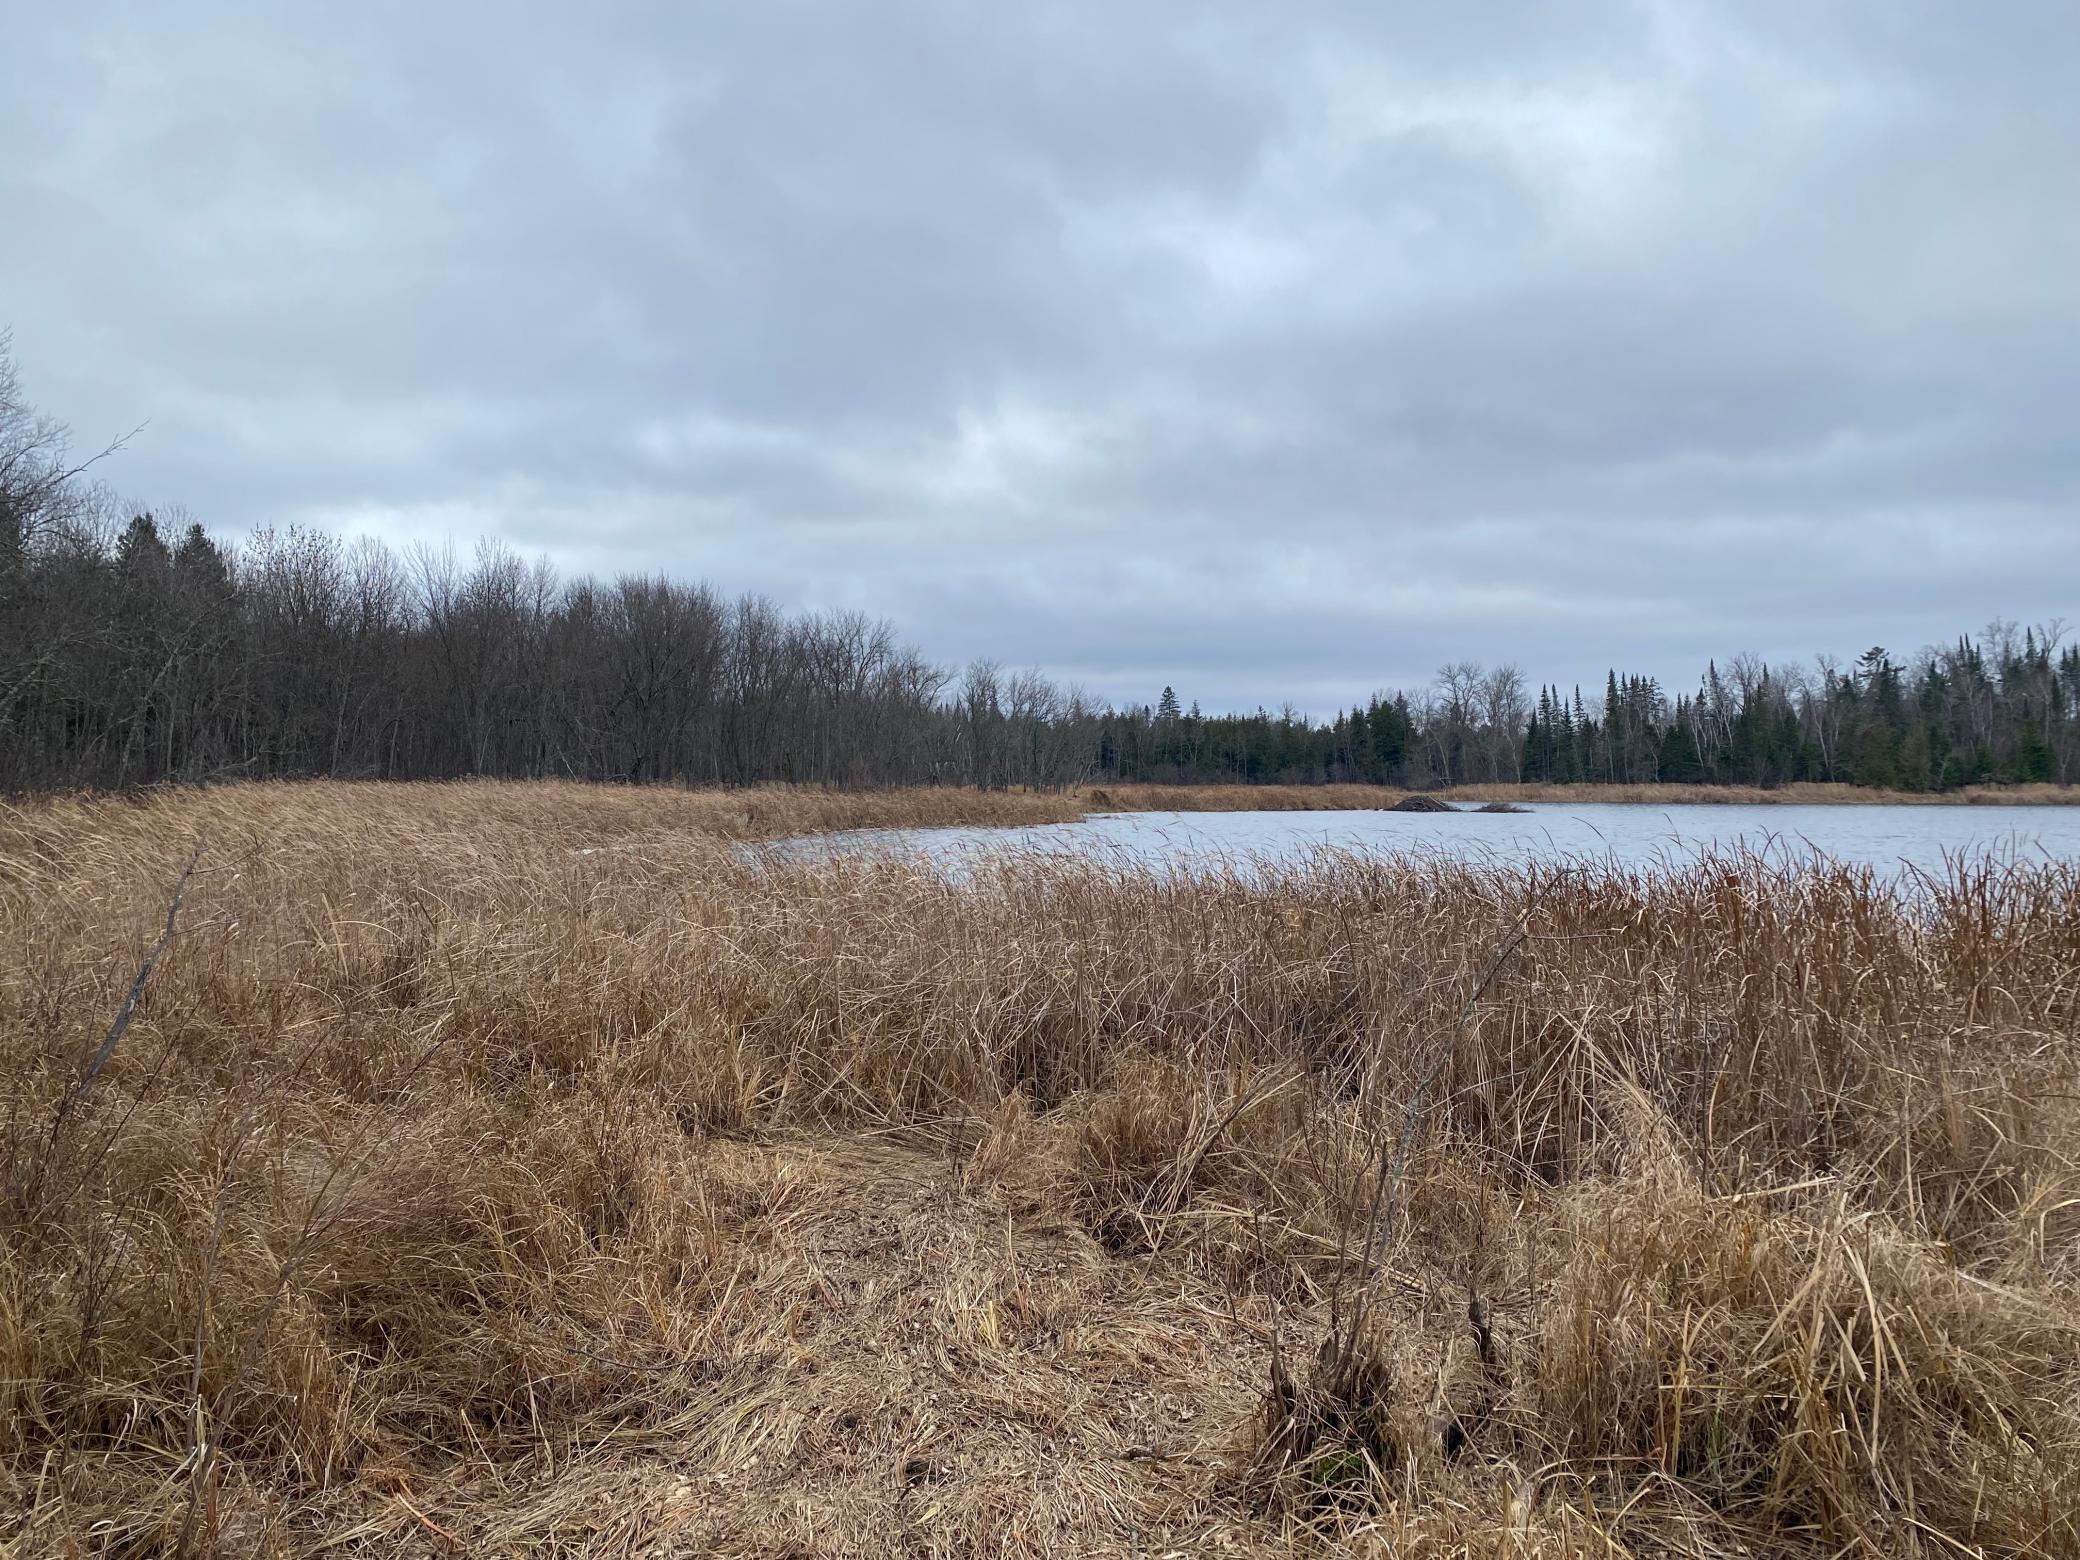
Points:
(505, 1169)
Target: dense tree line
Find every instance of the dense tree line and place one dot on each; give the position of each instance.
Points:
(137, 649)
(2000, 708)
(154, 657)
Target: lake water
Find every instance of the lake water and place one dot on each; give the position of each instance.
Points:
(1892, 839)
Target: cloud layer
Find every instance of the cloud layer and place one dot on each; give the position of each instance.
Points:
(1272, 354)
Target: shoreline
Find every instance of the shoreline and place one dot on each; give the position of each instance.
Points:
(1349, 798)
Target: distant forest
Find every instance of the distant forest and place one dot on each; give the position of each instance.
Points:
(136, 650)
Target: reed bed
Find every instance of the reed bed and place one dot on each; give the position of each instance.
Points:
(536, 1170)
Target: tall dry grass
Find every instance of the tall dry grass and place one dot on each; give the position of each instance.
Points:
(502, 1169)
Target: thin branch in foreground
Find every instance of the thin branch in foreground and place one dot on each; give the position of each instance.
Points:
(83, 1085)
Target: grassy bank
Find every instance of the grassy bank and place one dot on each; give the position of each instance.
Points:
(465, 1185)
(572, 815)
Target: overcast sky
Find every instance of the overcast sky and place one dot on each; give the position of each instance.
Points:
(1267, 351)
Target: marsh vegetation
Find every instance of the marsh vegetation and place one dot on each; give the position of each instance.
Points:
(517, 1168)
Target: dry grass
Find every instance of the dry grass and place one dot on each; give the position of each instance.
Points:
(1237, 798)
(508, 1169)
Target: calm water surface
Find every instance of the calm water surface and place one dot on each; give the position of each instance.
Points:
(1891, 838)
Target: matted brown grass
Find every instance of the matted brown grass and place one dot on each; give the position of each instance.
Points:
(529, 1170)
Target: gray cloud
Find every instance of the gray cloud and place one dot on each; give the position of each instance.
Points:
(1269, 354)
